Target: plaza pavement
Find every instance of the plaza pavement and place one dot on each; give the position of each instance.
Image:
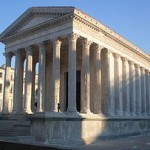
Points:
(141, 142)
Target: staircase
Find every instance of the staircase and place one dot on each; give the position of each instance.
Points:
(15, 127)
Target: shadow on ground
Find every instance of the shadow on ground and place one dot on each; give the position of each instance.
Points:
(19, 146)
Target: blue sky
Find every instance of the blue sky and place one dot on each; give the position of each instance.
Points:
(129, 18)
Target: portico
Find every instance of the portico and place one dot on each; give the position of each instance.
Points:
(114, 74)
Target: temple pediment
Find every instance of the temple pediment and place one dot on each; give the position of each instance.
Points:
(37, 20)
(33, 17)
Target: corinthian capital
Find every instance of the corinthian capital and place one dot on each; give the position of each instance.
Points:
(73, 37)
(86, 43)
(8, 55)
(56, 43)
(41, 45)
(117, 56)
(98, 47)
(28, 49)
(124, 59)
(137, 66)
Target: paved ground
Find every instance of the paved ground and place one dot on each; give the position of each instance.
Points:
(141, 142)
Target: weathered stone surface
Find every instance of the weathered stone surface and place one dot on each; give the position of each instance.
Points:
(92, 83)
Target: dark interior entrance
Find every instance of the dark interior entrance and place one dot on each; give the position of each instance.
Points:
(78, 89)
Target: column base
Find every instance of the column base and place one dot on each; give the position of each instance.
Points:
(27, 112)
(109, 114)
(72, 112)
(133, 115)
(39, 111)
(143, 114)
(138, 114)
(86, 111)
(52, 111)
(126, 114)
(5, 112)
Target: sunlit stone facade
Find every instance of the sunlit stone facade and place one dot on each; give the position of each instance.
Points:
(98, 77)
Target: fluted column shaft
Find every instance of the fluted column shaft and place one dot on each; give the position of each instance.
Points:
(138, 90)
(72, 73)
(7, 83)
(118, 85)
(147, 92)
(28, 80)
(18, 83)
(149, 95)
(97, 92)
(108, 83)
(85, 77)
(125, 90)
(55, 75)
(143, 91)
(41, 78)
(132, 89)
(33, 87)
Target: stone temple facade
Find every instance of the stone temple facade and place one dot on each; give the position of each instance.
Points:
(100, 80)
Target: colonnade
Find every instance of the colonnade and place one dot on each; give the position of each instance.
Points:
(127, 85)
(121, 87)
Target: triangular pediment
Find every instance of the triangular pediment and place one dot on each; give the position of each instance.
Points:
(33, 17)
(35, 21)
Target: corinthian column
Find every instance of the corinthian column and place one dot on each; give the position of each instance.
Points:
(125, 82)
(41, 78)
(149, 95)
(72, 73)
(85, 77)
(132, 89)
(18, 83)
(138, 89)
(55, 75)
(143, 91)
(108, 83)
(28, 80)
(147, 92)
(97, 92)
(118, 85)
(7, 83)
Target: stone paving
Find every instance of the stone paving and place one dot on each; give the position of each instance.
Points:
(141, 142)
